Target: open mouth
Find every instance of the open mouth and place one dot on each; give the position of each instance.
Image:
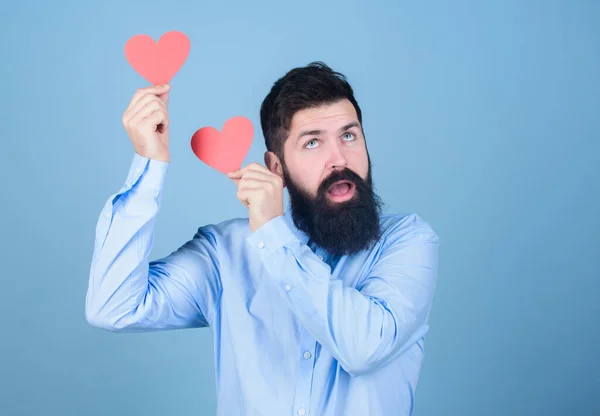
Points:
(341, 190)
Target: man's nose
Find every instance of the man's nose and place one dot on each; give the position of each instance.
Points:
(337, 159)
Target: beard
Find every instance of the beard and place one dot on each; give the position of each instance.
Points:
(341, 228)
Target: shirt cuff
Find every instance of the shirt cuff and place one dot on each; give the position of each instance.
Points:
(271, 237)
(146, 173)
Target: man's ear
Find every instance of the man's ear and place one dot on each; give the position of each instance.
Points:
(273, 163)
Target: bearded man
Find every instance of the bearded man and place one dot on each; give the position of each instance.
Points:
(320, 309)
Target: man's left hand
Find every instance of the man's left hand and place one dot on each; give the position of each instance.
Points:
(261, 191)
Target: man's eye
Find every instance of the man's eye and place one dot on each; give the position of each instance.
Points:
(349, 134)
(312, 141)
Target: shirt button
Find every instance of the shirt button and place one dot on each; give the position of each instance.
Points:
(138, 171)
(261, 245)
(288, 287)
(106, 214)
(307, 355)
(301, 411)
(320, 257)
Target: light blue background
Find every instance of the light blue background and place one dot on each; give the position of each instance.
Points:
(492, 109)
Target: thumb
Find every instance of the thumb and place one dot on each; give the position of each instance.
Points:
(164, 97)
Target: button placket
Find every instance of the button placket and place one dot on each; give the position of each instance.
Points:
(305, 373)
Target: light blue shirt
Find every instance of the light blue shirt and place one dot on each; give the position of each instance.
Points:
(297, 331)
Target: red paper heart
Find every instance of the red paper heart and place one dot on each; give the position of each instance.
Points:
(158, 62)
(224, 151)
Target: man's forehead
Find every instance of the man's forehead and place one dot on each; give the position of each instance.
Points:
(324, 117)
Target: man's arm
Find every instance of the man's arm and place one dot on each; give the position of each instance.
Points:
(366, 327)
(126, 292)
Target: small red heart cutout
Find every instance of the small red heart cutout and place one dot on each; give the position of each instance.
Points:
(224, 151)
(158, 62)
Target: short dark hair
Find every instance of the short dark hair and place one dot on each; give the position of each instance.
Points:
(300, 88)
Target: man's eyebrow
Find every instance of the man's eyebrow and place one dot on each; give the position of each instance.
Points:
(309, 133)
(317, 132)
(349, 126)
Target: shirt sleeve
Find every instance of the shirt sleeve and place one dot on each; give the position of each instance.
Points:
(127, 292)
(365, 327)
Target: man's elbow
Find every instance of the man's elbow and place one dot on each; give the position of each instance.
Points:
(363, 361)
(102, 321)
(99, 321)
(356, 370)
(357, 367)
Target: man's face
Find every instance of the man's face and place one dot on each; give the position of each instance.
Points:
(327, 171)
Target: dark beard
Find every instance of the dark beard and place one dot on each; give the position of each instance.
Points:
(341, 228)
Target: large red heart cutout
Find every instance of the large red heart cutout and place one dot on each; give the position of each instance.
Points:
(158, 62)
(224, 151)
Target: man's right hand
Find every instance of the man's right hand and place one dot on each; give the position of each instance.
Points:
(146, 121)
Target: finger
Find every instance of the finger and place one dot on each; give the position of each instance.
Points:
(164, 98)
(253, 184)
(247, 195)
(153, 89)
(152, 122)
(251, 166)
(254, 174)
(155, 120)
(142, 105)
(142, 102)
(243, 197)
(145, 111)
(268, 178)
(164, 125)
